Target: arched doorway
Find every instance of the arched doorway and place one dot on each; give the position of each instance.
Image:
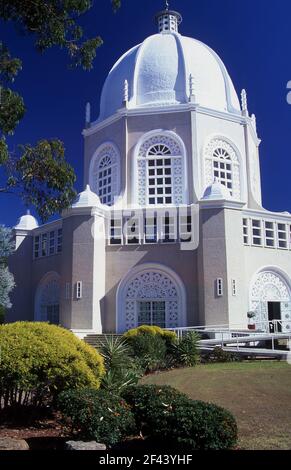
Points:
(270, 299)
(152, 295)
(47, 299)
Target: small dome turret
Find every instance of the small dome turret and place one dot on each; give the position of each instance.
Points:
(86, 199)
(216, 191)
(26, 222)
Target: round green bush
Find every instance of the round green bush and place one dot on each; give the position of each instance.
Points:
(166, 414)
(98, 415)
(39, 360)
(168, 336)
(149, 352)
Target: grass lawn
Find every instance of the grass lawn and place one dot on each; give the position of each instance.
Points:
(257, 393)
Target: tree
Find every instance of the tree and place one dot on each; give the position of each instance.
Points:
(40, 174)
(6, 278)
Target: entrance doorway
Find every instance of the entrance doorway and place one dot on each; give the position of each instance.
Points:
(274, 313)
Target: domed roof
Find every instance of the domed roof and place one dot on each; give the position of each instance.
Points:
(216, 191)
(158, 74)
(26, 222)
(86, 199)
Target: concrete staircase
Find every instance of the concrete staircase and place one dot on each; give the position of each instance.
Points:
(97, 340)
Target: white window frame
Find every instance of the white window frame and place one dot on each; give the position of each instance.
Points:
(223, 159)
(115, 231)
(128, 222)
(79, 290)
(255, 236)
(52, 242)
(152, 217)
(162, 167)
(219, 287)
(267, 231)
(246, 231)
(234, 287)
(281, 231)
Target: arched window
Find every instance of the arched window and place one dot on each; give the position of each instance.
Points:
(270, 300)
(150, 295)
(222, 167)
(221, 162)
(105, 181)
(47, 306)
(161, 172)
(105, 173)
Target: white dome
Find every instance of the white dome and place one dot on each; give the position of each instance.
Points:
(216, 191)
(158, 74)
(86, 199)
(26, 222)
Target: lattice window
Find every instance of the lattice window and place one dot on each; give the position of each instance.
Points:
(222, 168)
(105, 174)
(49, 301)
(152, 298)
(221, 162)
(160, 172)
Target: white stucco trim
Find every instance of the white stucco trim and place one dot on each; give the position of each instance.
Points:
(143, 268)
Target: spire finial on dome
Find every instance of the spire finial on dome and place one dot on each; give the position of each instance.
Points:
(244, 102)
(168, 20)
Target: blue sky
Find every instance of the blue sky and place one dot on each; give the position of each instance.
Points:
(251, 36)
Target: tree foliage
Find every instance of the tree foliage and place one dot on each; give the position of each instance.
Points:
(6, 278)
(51, 23)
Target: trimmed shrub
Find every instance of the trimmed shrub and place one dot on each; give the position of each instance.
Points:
(39, 360)
(165, 414)
(185, 351)
(97, 414)
(149, 351)
(168, 336)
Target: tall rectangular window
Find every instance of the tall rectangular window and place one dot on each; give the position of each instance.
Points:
(233, 287)
(52, 243)
(282, 236)
(44, 249)
(168, 228)
(133, 230)
(185, 227)
(246, 232)
(60, 240)
(257, 232)
(116, 231)
(79, 290)
(219, 287)
(269, 234)
(36, 246)
(150, 229)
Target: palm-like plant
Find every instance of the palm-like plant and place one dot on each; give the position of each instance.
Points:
(121, 371)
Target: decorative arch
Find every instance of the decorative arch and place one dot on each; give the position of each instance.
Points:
(271, 284)
(150, 291)
(160, 176)
(222, 161)
(104, 173)
(47, 298)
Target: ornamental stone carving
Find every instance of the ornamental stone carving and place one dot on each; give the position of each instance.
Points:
(152, 286)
